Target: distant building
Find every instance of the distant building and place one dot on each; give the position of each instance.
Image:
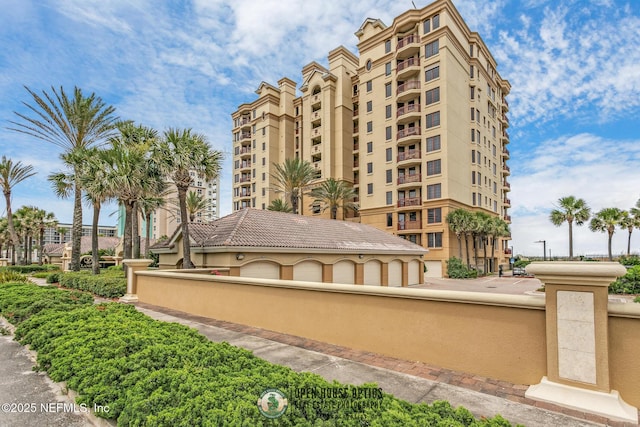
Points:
(416, 122)
(62, 233)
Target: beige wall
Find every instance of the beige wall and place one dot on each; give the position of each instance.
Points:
(624, 351)
(501, 337)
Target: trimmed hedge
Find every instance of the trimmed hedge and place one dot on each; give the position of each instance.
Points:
(627, 284)
(33, 268)
(110, 284)
(155, 373)
(457, 270)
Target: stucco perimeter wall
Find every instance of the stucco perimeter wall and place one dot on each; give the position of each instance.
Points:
(498, 336)
(624, 350)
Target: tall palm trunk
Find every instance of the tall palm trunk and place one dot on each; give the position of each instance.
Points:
(629, 241)
(135, 234)
(466, 246)
(493, 248)
(474, 239)
(610, 232)
(128, 212)
(184, 225)
(15, 239)
(95, 255)
(484, 253)
(334, 212)
(41, 248)
(76, 229)
(570, 239)
(147, 236)
(459, 236)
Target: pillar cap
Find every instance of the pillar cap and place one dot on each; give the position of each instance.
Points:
(577, 272)
(137, 262)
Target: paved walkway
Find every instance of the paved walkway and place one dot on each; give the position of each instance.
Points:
(411, 381)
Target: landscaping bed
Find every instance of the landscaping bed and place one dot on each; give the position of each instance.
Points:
(110, 283)
(153, 373)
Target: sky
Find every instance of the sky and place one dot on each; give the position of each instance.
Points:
(574, 68)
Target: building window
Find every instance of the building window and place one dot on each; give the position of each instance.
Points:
(433, 119)
(426, 26)
(471, 51)
(369, 106)
(434, 191)
(263, 176)
(264, 131)
(434, 215)
(369, 86)
(264, 161)
(434, 240)
(388, 112)
(389, 176)
(387, 69)
(387, 46)
(387, 90)
(369, 147)
(368, 65)
(434, 167)
(316, 209)
(369, 188)
(431, 49)
(389, 216)
(388, 133)
(433, 143)
(433, 95)
(435, 21)
(473, 177)
(369, 127)
(471, 70)
(432, 73)
(370, 167)
(389, 154)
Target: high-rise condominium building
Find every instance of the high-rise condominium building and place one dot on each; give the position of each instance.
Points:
(417, 122)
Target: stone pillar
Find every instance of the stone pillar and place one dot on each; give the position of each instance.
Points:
(359, 279)
(132, 266)
(327, 273)
(286, 272)
(384, 273)
(577, 338)
(4, 262)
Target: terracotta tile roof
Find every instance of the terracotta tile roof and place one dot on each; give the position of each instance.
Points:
(268, 229)
(85, 245)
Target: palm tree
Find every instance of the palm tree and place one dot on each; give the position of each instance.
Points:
(131, 175)
(279, 205)
(149, 204)
(482, 227)
(98, 190)
(570, 210)
(72, 123)
(496, 229)
(177, 154)
(195, 204)
(292, 178)
(333, 194)
(43, 220)
(11, 174)
(607, 220)
(629, 222)
(457, 220)
(4, 237)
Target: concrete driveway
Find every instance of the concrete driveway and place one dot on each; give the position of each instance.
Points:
(493, 284)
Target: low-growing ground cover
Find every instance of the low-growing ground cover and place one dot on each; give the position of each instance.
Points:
(153, 373)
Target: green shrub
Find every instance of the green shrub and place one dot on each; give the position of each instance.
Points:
(33, 268)
(110, 284)
(457, 270)
(627, 284)
(19, 301)
(53, 277)
(7, 276)
(630, 260)
(521, 263)
(636, 299)
(156, 373)
(41, 274)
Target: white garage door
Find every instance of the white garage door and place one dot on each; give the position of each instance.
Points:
(308, 271)
(395, 273)
(372, 273)
(414, 272)
(434, 269)
(344, 272)
(260, 269)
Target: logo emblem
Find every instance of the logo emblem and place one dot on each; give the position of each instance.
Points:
(273, 403)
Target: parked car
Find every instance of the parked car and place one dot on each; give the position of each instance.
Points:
(519, 271)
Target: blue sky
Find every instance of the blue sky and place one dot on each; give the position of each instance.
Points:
(574, 67)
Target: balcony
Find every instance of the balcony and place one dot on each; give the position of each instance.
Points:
(408, 45)
(507, 202)
(507, 186)
(505, 105)
(356, 112)
(356, 147)
(409, 155)
(245, 194)
(245, 135)
(356, 164)
(316, 116)
(505, 153)
(245, 165)
(408, 113)
(507, 251)
(408, 132)
(410, 85)
(507, 218)
(412, 201)
(409, 225)
(407, 179)
(506, 170)
(505, 120)
(407, 67)
(245, 151)
(245, 178)
(356, 129)
(316, 100)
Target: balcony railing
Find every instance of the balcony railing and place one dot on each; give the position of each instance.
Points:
(507, 201)
(411, 108)
(506, 151)
(411, 38)
(245, 165)
(245, 194)
(409, 62)
(408, 155)
(245, 121)
(508, 185)
(412, 201)
(409, 225)
(355, 113)
(245, 178)
(245, 150)
(506, 168)
(408, 132)
(245, 135)
(507, 218)
(356, 147)
(404, 179)
(507, 251)
(411, 84)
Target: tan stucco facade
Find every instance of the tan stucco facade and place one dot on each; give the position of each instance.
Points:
(416, 121)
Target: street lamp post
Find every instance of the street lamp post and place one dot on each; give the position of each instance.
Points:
(544, 248)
